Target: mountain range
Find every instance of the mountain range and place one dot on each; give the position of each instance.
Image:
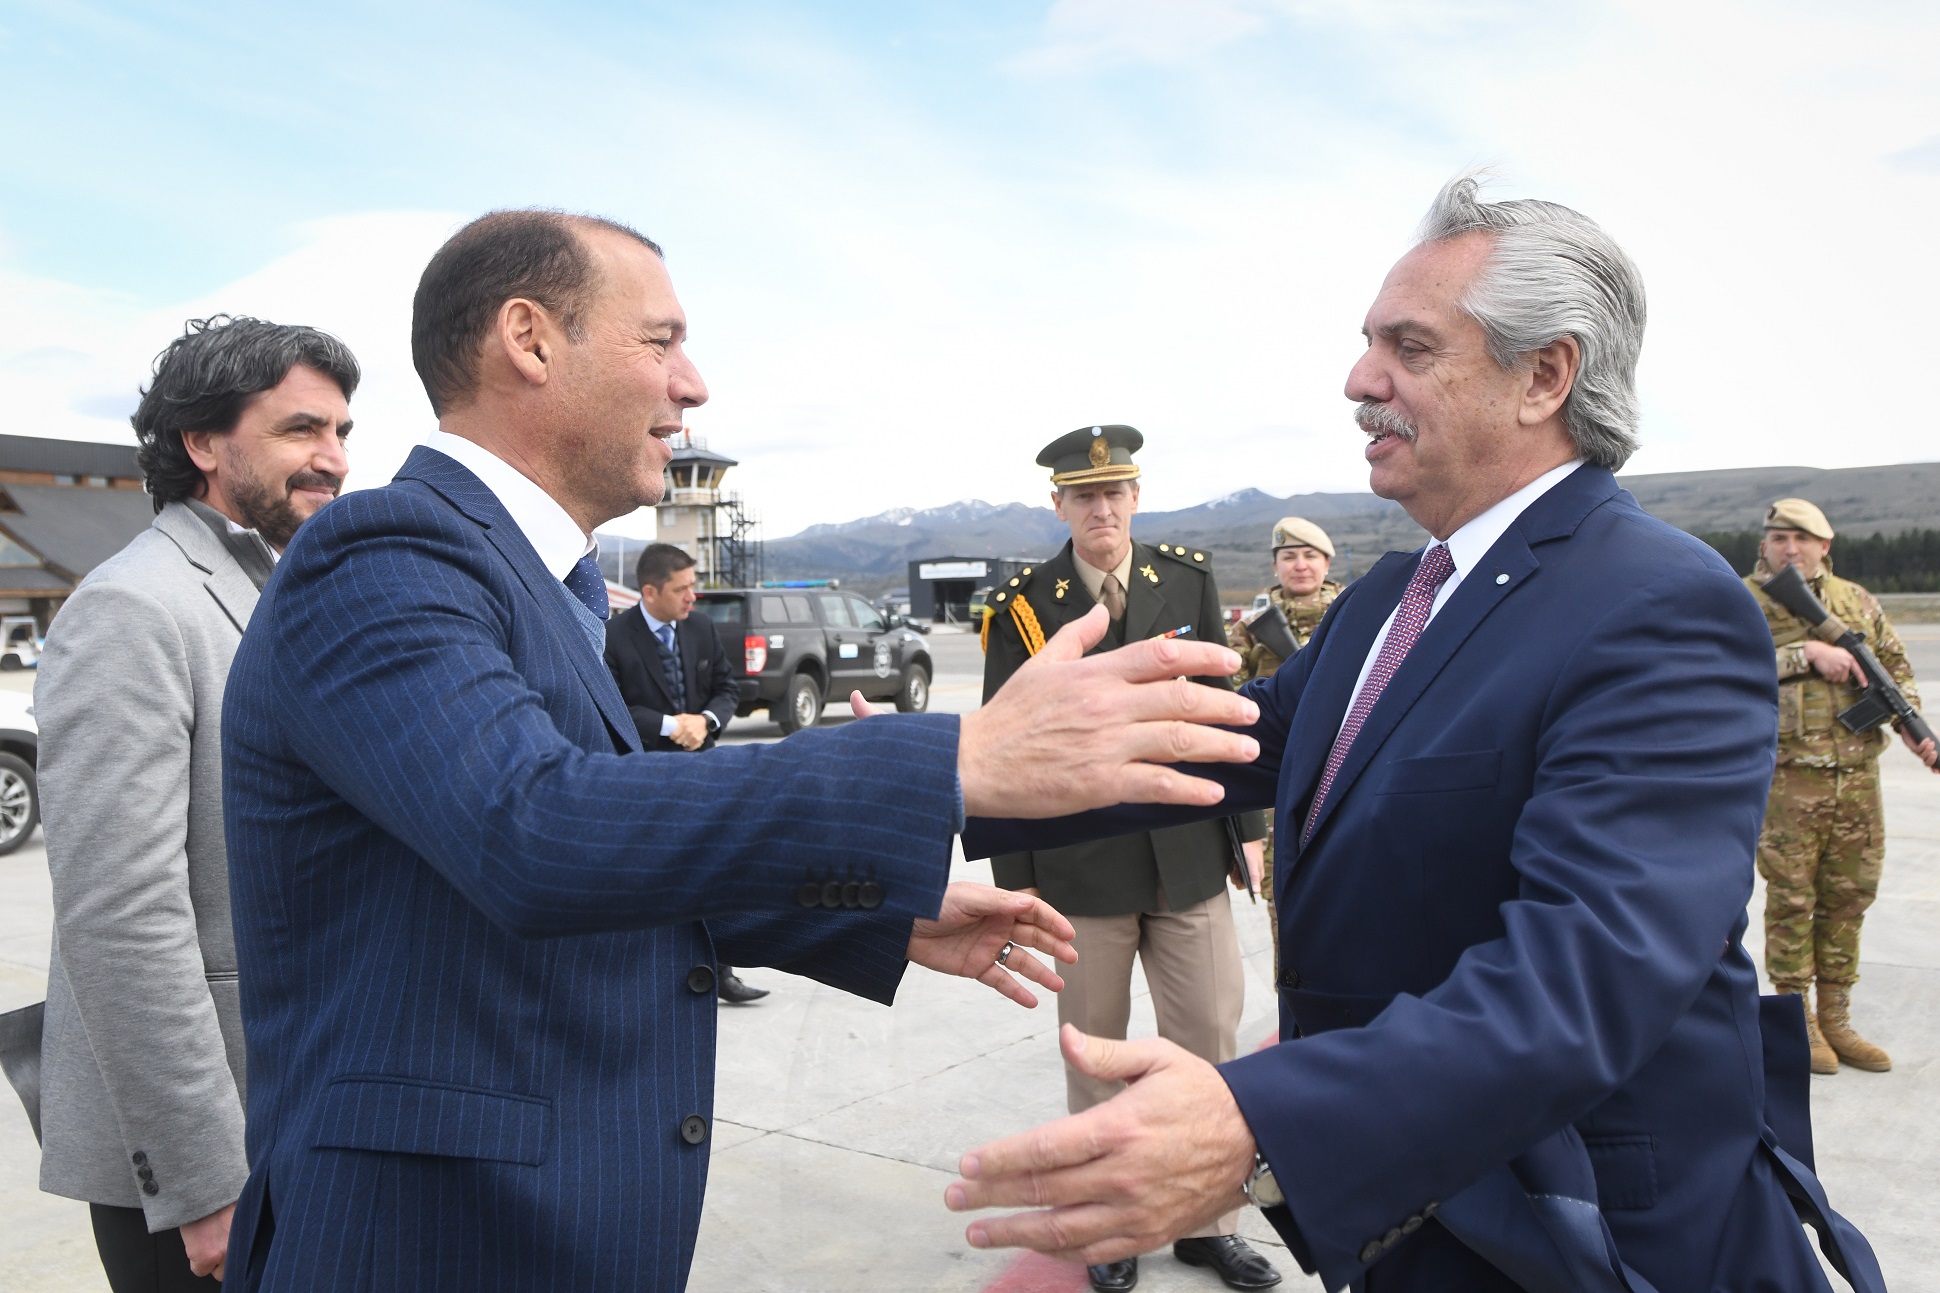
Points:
(873, 553)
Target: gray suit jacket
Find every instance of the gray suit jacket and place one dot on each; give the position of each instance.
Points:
(142, 1054)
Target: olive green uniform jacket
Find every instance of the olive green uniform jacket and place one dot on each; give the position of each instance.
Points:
(1171, 588)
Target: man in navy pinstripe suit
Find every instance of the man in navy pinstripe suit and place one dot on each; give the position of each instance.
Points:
(478, 936)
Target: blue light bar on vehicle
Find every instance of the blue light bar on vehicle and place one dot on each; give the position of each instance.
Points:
(801, 583)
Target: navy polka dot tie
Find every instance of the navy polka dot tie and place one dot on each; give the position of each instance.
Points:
(585, 582)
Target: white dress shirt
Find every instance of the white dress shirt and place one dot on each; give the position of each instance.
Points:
(1466, 547)
(551, 531)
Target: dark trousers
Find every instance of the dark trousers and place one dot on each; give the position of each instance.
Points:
(138, 1262)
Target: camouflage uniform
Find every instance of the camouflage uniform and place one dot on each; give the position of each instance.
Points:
(1303, 617)
(1825, 833)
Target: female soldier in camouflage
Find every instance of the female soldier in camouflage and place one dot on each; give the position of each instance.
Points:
(1825, 832)
(1302, 553)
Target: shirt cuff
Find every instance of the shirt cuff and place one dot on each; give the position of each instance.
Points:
(667, 725)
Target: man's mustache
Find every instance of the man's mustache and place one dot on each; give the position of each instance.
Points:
(315, 480)
(1379, 419)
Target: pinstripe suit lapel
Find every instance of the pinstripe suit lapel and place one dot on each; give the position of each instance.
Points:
(470, 496)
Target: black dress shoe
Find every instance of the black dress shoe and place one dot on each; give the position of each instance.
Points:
(1114, 1277)
(1232, 1257)
(733, 991)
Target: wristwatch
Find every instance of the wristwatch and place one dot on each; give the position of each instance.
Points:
(713, 723)
(1262, 1191)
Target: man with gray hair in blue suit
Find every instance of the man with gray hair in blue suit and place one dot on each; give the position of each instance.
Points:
(1520, 774)
(479, 933)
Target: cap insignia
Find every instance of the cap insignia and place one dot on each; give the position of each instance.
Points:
(1100, 451)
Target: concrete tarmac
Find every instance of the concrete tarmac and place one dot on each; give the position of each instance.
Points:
(839, 1122)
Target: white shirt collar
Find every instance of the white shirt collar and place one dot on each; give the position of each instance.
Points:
(1472, 542)
(551, 531)
(653, 624)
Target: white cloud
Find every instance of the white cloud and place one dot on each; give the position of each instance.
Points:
(896, 309)
(72, 361)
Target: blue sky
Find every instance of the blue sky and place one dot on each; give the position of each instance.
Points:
(917, 241)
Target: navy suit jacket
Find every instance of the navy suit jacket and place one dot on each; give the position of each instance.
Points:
(476, 930)
(638, 667)
(1514, 997)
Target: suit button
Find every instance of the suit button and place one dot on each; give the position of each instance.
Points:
(1429, 1211)
(1289, 979)
(832, 894)
(809, 895)
(693, 1129)
(852, 895)
(700, 980)
(1411, 1225)
(870, 897)
(145, 1172)
(1369, 1251)
(139, 1159)
(150, 1188)
(1392, 1238)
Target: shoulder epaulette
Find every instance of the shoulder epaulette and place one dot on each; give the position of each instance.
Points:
(1185, 556)
(1010, 597)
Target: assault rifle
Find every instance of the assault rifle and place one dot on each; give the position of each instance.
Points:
(1880, 700)
(1270, 629)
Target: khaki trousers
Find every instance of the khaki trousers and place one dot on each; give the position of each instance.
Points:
(1192, 966)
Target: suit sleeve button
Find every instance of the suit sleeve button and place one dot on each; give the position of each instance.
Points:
(150, 1189)
(1369, 1251)
(138, 1158)
(1411, 1225)
(809, 895)
(145, 1172)
(1392, 1238)
(852, 895)
(870, 897)
(693, 1129)
(700, 980)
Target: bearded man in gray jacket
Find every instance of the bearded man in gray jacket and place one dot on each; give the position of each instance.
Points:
(242, 439)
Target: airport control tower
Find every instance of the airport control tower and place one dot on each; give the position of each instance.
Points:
(698, 517)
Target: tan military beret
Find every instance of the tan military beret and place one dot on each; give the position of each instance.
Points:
(1292, 530)
(1797, 514)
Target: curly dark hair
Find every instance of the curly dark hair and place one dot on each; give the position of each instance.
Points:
(536, 254)
(205, 378)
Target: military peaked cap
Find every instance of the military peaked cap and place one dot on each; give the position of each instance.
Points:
(1093, 454)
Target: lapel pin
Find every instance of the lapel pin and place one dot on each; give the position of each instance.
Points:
(1502, 578)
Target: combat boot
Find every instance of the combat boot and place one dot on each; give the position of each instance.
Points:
(1824, 1059)
(1835, 1021)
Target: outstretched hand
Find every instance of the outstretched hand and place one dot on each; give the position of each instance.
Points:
(976, 922)
(1156, 1161)
(1070, 732)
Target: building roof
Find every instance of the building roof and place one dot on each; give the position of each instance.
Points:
(74, 529)
(68, 457)
(689, 447)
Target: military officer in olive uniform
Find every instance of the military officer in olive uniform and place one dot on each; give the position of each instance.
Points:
(1160, 896)
(1302, 554)
(1825, 833)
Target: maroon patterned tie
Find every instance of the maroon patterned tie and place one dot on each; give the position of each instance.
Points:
(1409, 618)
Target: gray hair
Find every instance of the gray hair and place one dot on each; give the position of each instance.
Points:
(1553, 273)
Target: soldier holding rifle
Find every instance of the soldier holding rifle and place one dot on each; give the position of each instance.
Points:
(1824, 839)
